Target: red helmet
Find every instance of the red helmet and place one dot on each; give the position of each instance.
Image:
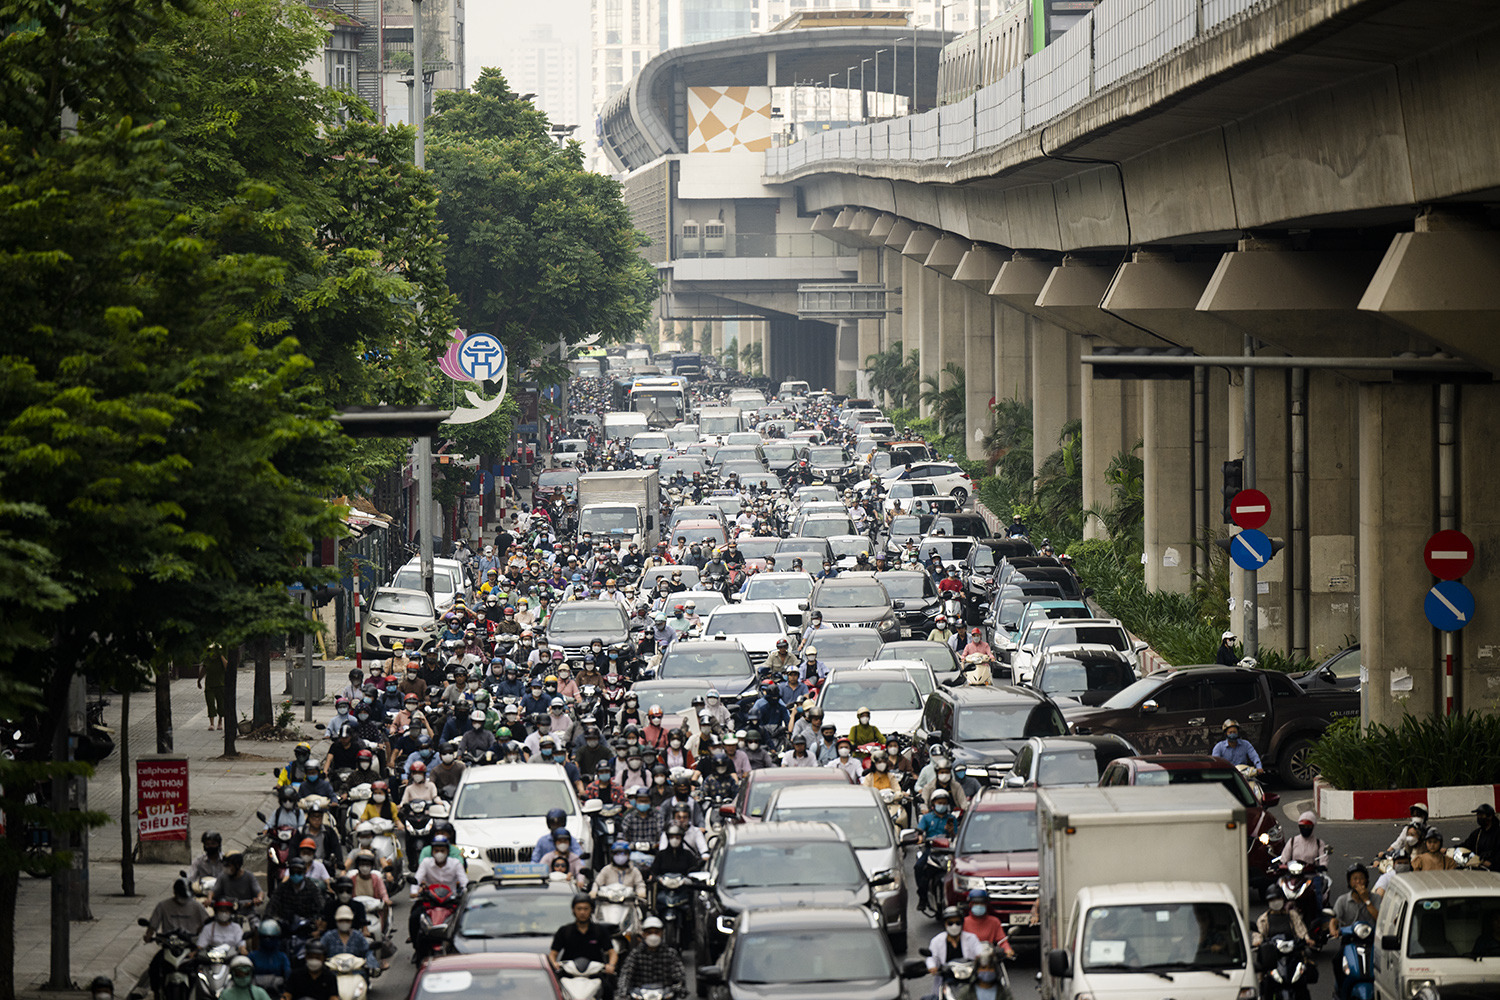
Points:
(417, 767)
(365, 755)
(381, 786)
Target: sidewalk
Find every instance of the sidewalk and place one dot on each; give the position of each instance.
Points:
(224, 796)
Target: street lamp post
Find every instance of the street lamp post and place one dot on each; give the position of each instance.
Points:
(864, 107)
(877, 83)
(419, 87)
(896, 75)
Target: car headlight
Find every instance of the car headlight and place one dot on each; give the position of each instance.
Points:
(430, 627)
(1414, 985)
(469, 853)
(887, 623)
(376, 622)
(968, 882)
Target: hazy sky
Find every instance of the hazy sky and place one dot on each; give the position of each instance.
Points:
(490, 22)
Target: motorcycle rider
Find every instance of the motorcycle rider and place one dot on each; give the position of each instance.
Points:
(984, 925)
(296, 895)
(1308, 849)
(295, 771)
(941, 632)
(237, 884)
(845, 761)
(436, 869)
(209, 864)
(782, 659)
(1235, 750)
(326, 843)
(1433, 858)
(653, 963)
(1226, 656)
(1017, 527)
(952, 943)
(478, 739)
(755, 752)
(809, 726)
(446, 774)
(1279, 918)
(768, 712)
(312, 979)
(938, 822)
(583, 941)
(862, 732)
(641, 824)
(179, 912)
(620, 871)
(798, 755)
(342, 889)
(345, 938)
(1485, 839)
(604, 787)
(241, 986)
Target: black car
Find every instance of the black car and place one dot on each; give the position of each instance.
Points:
(1341, 670)
(1085, 674)
(983, 727)
(757, 865)
(852, 600)
(1071, 589)
(573, 626)
(915, 598)
(984, 561)
(829, 462)
(506, 918)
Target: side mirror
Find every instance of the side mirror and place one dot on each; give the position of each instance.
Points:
(1088, 591)
(925, 953)
(941, 842)
(143, 922)
(1270, 799)
(907, 838)
(1328, 675)
(701, 878)
(913, 968)
(727, 811)
(319, 725)
(1015, 781)
(1059, 964)
(710, 974)
(1140, 647)
(1149, 707)
(886, 877)
(1390, 942)
(801, 605)
(898, 605)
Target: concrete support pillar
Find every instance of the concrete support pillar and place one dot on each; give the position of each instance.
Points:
(1166, 408)
(951, 319)
(847, 366)
(979, 370)
(911, 308)
(892, 327)
(1324, 555)
(927, 362)
(1055, 385)
(1111, 424)
(1012, 354)
(716, 336)
(869, 329)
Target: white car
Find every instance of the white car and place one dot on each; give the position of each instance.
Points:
(569, 451)
(946, 476)
(501, 810)
(785, 590)
(448, 581)
(744, 437)
(650, 443)
(825, 525)
(920, 672)
(395, 614)
(1045, 633)
(755, 625)
(905, 492)
(893, 698)
(846, 549)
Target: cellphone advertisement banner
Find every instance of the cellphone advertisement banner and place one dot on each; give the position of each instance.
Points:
(161, 799)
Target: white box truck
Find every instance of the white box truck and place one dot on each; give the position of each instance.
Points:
(1142, 886)
(615, 504)
(1439, 929)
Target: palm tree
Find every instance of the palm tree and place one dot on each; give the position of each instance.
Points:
(889, 375)
(948, 404)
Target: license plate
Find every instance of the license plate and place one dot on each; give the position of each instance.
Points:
(905, 633)
(1021, 920)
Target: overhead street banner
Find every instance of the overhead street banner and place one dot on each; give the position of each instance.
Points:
(161, 799)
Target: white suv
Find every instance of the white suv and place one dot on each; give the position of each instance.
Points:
(1044, 633)
(755, 625)
(501, 810)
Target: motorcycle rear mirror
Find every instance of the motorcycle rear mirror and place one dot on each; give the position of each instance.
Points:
(700, 877)
(913, 968)
(727, 811)
(924, 952)
(319, 725)
(941, 843)
(908, 838)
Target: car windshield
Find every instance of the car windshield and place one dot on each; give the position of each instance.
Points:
(758, 548)
(906, 490)
(743, 623)
(825, 455)
(866, 826)
(513, 914)
(1226, 776)
(716, 424)
(936, 655)
(999, 832)
(388, 603)
(1093, 635)
(730, 505)
(851, 595)
(778, 588)
(485, 984)
(689, 575)
(1070, 767)
(1162, 937)
(558, 477)
(761, 865)
(817, 494)
(642, 442)
(411, 579)
(1451, 926)
(848, 545)
(604, 520)
(947, 551)
(877, 696)
(908, 586)
(671, 465)
(841, 644)
(1010, 722)
(823, 526)
(1073, 679)
(1036, 613)
(910, 524)
(812, 956)
(706, 663)
(780, 452)
(566, 619)
(951, 525)
(736, 453)
(511, 799)
(683, 434)
(1135, 693)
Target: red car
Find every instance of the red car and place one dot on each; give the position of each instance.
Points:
(995, 850)
(1187, 769)
(488, 976)
(749, 806)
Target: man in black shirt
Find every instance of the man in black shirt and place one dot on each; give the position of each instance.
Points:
(583, 939)
(343, 752)
(311, 978)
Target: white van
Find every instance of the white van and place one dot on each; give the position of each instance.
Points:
(1438, 929)
(793, 388)
(620, 426)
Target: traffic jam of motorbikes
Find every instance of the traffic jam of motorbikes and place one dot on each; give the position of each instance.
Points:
(751, 699)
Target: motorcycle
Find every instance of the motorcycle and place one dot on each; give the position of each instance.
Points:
(939, 859)
(617, 906)
(895, 805)
(604, 820)
(1296, 884)
(674, 904)
(581, 981)
(377, 925)
(284, 839)
(978, 670)
(438, 905)
(177, 955)
(212, 975)
(1287, 971)
(1358, 980)
(352, 976)
(654, 992)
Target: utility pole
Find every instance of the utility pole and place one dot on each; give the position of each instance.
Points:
(1250, 600)
(419, 85)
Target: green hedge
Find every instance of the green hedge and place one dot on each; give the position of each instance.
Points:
(1419, 753)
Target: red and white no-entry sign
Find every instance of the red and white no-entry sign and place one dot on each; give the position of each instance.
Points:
(1250, 509)
(1448, 554)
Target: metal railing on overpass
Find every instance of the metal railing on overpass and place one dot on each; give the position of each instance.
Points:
(756, 245)
(1115, 40)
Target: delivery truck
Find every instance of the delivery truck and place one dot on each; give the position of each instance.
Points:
(624, 505)
(1141, 885)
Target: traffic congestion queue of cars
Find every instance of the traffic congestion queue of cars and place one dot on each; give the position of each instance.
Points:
(662, 699)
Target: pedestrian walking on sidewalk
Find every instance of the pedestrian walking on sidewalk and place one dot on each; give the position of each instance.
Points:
(211, 683)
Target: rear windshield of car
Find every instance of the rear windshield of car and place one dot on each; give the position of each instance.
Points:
(706, 663)
(1226, 776)
(911, 524)
(851, 595)
(513, 914)
(827, 863)
(757, 548)
(813, 956)
(742, 623)
(779, 588)
(1075, 678)
(866, 826)
(999, 832)
(877, 696)
(565, 619)
(908, 587)
(1009, 722)
(402, 604)
(1079, 635)
(558, 477)
(485, 984)
(843, 644)
(947, 551)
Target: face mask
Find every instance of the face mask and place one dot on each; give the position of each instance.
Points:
(346, 925)
(753, 745)
(864, 720)
(448, 758)
(344, 896)
(987, 975)
(718, 755)
(953, 929)
(1277, 904)
(223, 918)
(979, 909)
(621, 859)
(642, 806)
(634, 764)
(297, 879)
(674, 841)
(314, 775)
(882, 766)
(675, 744)
(417, 779)
(944, 775)
(653, 940)
(478, 725)
(940, 808)
(1305, 829)
(364, 765)
(364, 871)
(563, 846)
(314, 965)
(843, 752)
(660, 779)
(240, 977)
(422, 739)
(440, 856)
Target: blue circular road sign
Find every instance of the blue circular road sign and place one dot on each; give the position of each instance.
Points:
(1449, 605)
(1250, 549)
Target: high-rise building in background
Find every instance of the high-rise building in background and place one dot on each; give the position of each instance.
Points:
(536, 61)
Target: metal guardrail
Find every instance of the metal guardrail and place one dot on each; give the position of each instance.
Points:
(755, 245)
(1117, 39)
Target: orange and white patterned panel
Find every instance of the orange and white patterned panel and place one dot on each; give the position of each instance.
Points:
(725, 118)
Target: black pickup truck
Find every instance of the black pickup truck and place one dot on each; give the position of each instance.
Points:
(1183, 711)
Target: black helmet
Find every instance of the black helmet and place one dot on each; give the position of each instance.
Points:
(212, 836)
(1357, 867)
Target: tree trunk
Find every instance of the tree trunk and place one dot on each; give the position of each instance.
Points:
(262, 714)
(164, 708)
(62, 935)
(10, 883)
(122, 747)
(231, 713)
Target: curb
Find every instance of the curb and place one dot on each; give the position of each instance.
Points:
(1442, 802)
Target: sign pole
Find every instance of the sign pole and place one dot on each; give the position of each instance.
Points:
(359, 624)
(1250, 600)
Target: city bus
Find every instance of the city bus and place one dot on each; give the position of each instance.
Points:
(664, 399)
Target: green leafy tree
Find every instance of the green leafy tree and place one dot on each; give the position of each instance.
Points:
(894, 375)
(947, 403)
